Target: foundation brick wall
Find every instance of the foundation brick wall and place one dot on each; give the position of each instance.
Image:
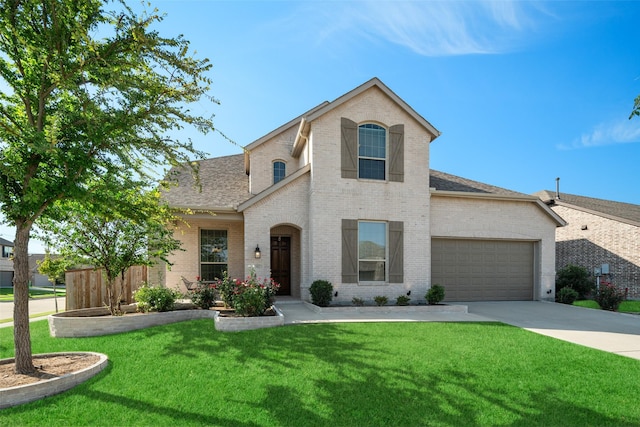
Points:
(604, 241)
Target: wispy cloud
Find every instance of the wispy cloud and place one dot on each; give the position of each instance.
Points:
(430, 28)
(612, 133)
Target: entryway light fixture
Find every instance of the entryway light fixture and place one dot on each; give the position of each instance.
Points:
(258, 253)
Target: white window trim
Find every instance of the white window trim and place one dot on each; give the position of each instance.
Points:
(386, 153)
(386, 255)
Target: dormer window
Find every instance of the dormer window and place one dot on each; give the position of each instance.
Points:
(279, 171)
(372, 151)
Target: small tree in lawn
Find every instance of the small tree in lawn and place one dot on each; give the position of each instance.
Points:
(54, 269)
(113, 240)
(86, 95)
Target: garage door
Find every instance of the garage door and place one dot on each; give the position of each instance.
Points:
(483, 270)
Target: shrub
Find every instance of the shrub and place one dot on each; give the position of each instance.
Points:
(567, 295)
(609, 296)
(403, 300)
(151, 298)
(380, 300)
(321, 293)
(358, 302)
(577, 278)
(435, 294)
(204, 295)
(249, 301)
(250, 297)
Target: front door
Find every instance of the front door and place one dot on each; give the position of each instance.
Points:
(281, 263)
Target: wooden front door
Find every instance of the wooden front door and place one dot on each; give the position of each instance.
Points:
(281, 263)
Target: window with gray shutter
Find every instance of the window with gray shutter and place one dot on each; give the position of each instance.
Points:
(396, 252)
(349, 148)
(396, 153)
(349, 251)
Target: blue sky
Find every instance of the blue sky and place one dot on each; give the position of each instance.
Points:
(523, 92)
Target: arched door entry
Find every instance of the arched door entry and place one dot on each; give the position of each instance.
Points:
(281, 263)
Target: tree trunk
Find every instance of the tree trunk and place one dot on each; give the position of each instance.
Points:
(21, 333)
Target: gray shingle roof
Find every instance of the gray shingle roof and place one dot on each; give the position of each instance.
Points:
(446, 182)
(223, 185)
(624, 211)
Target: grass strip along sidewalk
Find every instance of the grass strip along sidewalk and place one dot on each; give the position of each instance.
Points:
(6, 294)
(351, 374)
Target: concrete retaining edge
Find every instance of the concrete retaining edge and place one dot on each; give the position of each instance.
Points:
(439, 308)
(236, 324)
(13, 396)
(67, 325)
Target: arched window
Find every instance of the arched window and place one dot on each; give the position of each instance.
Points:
(279, 171)
(372, 151)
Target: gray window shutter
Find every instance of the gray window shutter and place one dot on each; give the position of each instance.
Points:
(349, 251)
(396, 153)
(349, 148)
(396, 252)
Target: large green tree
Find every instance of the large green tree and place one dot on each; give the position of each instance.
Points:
(89, 94)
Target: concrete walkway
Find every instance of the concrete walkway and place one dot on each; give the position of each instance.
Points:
(617, 333)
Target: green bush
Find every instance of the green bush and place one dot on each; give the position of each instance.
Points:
(609, 296)
(152, 298)
(577, 278)
(321, 293)
(403, 300)
(567, 295)
(204, 295)
(250, 297)
(380, 300)
(358, 302)
(435, 294)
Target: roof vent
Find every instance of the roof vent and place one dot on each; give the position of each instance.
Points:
(558, 188)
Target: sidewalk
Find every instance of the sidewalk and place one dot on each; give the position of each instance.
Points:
(44, 306)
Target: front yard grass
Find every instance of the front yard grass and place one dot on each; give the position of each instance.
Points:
(352, 374)
(625, 306)
(6, 294)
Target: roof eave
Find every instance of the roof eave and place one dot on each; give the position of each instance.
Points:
(505, 197)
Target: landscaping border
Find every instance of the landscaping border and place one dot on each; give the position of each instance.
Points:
(235, 324)
(18, 395)
(90, 322)
(437, 308)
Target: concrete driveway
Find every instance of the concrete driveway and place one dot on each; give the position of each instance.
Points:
(613, 332)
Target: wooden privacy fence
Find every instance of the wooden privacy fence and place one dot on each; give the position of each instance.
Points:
(87, 288)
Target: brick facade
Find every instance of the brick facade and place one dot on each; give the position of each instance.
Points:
(590, 240)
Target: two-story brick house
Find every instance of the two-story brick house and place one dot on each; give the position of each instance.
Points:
(344, 193)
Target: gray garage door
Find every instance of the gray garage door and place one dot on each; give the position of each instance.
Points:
(483, 270)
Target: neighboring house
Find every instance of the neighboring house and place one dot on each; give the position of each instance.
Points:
(6, 264)
(344, 193)
(598, 232)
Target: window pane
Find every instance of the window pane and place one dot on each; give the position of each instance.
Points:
(372, 271)
(210, 272)
(279, 171)
(371, 169)
(372, 251)
(213, 246)
(372, 141)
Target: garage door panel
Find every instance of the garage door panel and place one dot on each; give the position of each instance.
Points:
(476, 270)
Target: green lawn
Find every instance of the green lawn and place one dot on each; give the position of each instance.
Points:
(352, 374)
(625, 306)
(6, 294)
